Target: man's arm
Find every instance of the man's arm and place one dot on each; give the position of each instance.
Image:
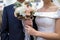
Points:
(4, 28)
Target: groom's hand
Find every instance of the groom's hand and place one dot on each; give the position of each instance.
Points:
(28, 22)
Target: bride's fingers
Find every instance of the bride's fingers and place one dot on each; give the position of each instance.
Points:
(27, 26)
(28, 22)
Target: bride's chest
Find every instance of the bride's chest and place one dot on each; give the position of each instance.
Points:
(44, 22)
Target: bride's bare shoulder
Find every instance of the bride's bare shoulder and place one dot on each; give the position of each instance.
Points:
(51, 8)
(54, 8)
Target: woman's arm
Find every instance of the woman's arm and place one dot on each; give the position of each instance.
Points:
(55, 36)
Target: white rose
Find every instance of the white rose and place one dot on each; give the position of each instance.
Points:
(20, 10)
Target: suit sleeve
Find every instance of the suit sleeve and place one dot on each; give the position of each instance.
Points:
(4, 28)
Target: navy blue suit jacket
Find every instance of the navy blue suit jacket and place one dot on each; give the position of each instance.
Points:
(12, 28)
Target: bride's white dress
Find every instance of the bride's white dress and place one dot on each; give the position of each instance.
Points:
(46, 22)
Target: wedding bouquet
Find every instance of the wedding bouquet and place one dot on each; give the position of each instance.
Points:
(21, 10)
(24, 11)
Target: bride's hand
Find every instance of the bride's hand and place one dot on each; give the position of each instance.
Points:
(28, 22)
(30, 30)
